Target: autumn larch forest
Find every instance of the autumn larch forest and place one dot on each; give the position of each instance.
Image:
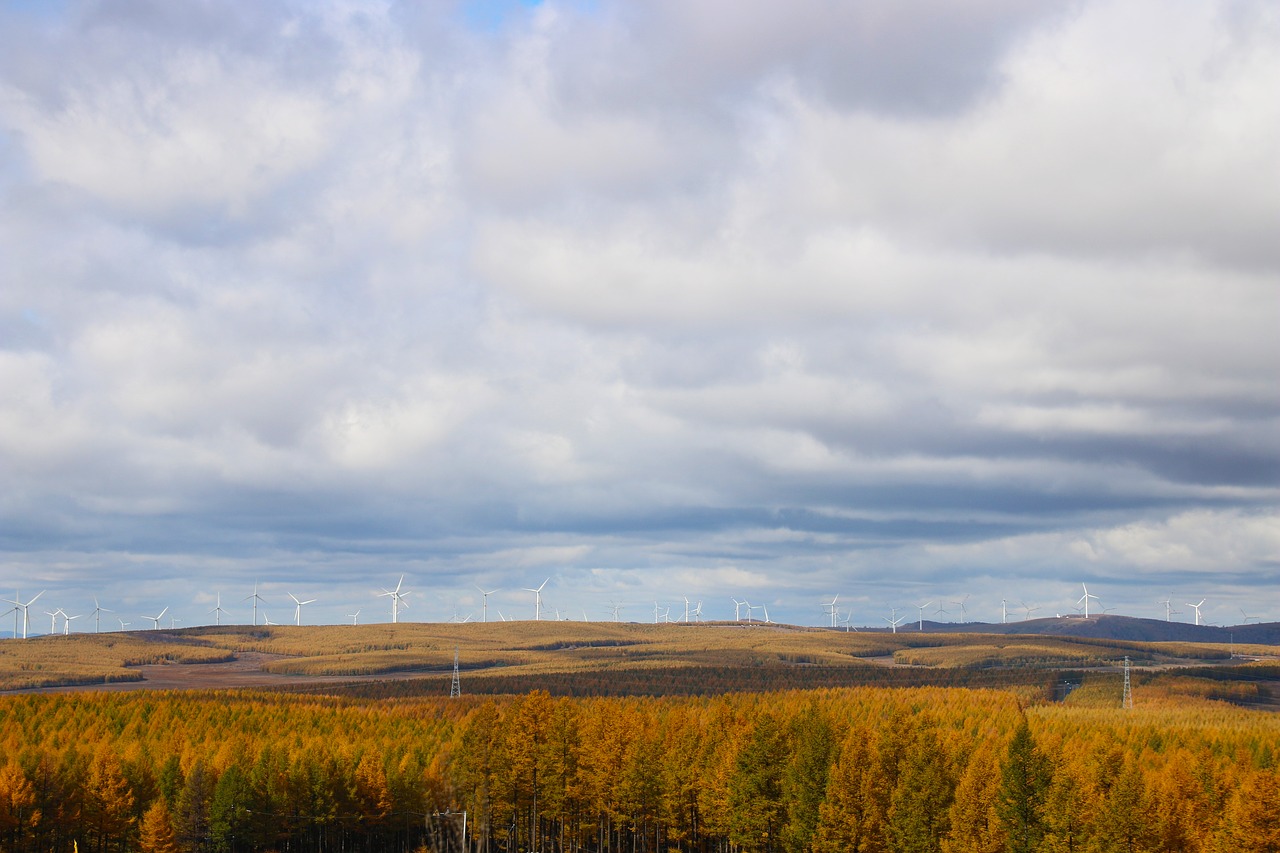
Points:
(874, 770)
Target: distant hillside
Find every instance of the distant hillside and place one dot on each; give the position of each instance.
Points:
(1108, 627)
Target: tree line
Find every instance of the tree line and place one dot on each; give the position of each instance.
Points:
(858, 769)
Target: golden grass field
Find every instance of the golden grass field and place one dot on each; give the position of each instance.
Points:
(540, 648)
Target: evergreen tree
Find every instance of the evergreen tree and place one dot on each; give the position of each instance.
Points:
(918, 811)
(805, 780)
(191, 814)
(1024, 779)
(228, 820)
(755, 791)
(842, 816)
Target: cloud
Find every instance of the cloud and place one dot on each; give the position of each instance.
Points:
(661, 300)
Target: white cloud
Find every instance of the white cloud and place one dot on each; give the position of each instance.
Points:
(669, 293)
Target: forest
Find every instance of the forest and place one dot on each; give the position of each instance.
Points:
(824, 770)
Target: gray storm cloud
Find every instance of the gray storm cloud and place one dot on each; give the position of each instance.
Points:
(660, 299)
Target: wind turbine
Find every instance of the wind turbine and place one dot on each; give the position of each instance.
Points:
(297, 610)
(765, 608)
(751, 610)
(697, 612)
(895, 620)
(1168, 608)
(156, 619)
(737, 609)
(1247, 617)
(355, 617)
(537, 600)
(1004, 615)
(66, 622)
(617, 608)
(218, 611)
(53, 619)
(1029, 608)
(397, 599)
(964, 611)
(656, 612)
(255, 598)
(1197, 609)
(1085, 599)
(485, 607)
(686, 609)
(266, 620)
(26, 612)
(123, 624)
(921, 608)
(98, 610)
(831, 608)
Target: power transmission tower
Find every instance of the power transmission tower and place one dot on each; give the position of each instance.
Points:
(455, 689)
(1127, 700)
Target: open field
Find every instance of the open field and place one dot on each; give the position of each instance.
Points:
(600, 659)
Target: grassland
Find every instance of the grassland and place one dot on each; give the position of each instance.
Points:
(600, 658)
(55, 660)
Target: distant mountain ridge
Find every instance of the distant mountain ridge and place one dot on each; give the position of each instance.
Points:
(1109, 627)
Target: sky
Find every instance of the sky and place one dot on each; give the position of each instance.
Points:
(950, 302)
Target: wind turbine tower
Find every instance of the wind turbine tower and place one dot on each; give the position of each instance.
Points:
(895, 620)
(297, 610)
(255, 598)
(156, 619)
(831, 609)
(98, 610)
(484, 608)
(537, 600)
(921, 608)
(1085, 598)
(1196, 607)
(218, 611)
(397, 599)
(26, 612)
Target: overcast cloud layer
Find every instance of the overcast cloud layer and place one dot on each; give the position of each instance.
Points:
(904, 302)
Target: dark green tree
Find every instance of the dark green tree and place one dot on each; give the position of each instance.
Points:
(190, 817)
(805, 781)
(1025, 779)
(919, 809)
(228, 818)
(758, 810)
